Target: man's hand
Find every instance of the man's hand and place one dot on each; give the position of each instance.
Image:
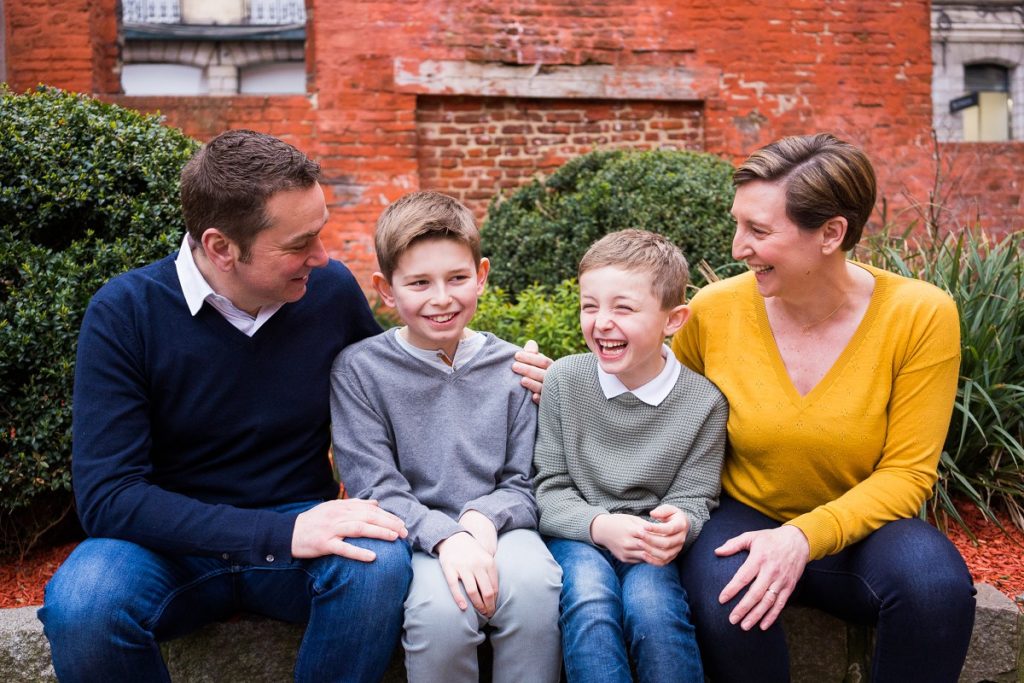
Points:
(775, 562)
(322, 530)
(665, 539)
(464, 559)
(623, 535)
(482, 530)
(532, 365)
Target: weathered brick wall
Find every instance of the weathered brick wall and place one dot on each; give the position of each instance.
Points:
(734, 74)
(982, 183)
(474, 148)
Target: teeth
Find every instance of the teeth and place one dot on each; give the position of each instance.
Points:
(612, 345)
(761, 269)
(441, 318)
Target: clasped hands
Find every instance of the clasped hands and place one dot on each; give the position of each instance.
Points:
(468, 557)
(633, 539)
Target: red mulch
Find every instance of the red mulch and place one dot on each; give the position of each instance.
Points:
(996, 559)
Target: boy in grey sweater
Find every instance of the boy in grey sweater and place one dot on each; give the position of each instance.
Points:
(430, 421)
(628, 456)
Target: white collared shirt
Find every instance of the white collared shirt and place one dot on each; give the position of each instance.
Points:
(652, 393)
(197, 290)
(464, 352)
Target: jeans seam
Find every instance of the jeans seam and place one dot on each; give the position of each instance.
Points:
(155, 617)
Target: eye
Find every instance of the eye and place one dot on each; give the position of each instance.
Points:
(588, 308)
(460, 278)
(624, 308)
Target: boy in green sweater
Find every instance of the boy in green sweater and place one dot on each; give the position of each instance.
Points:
(628, 457)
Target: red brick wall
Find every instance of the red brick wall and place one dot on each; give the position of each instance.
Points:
(473, 148)
(737, 74)
(983, 184)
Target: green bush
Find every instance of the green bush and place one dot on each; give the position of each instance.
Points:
(87, 191)
(548, 315)
(983, 459)
(538, 234)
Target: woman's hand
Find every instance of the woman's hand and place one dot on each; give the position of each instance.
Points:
(532, 365)
(776, 561)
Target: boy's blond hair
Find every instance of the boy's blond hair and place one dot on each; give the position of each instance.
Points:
(422, 215)
(643, 252)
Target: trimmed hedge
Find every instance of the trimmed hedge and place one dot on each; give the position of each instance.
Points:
(87, 191)
(539, 233)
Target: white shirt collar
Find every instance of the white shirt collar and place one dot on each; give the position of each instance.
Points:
(652, 393)
(198, 291)
(464, 352)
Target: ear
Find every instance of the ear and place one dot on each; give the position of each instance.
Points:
(677, 317)
(482, 271)
(220, 250)
(383, 287)
(832, 235)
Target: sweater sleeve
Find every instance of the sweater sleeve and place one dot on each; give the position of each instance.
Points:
(698, 482)
(511, 504)
(563, 510)
(112, 466)
(919, 411)
(364, 450)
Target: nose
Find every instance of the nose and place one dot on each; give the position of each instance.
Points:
(603, 321)
(318, 255)
(740, 248)
(441, 297)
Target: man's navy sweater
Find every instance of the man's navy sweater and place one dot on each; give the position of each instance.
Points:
(184, 427)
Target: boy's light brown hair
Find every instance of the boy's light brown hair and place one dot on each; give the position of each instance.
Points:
(644, 252)
(418, 216)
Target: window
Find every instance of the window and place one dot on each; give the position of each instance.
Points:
(989, 119)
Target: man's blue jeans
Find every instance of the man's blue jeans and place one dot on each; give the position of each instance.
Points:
(906, 579)
(607, 604)
(112, 601)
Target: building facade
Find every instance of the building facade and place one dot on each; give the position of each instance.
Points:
(476, 97)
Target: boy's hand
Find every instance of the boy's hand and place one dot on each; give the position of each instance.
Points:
(464, 559)
(482, 530)
(532, 365)
(623, 535)
(322, 530)
(665, 539)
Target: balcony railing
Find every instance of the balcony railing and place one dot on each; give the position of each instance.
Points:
(263, 12)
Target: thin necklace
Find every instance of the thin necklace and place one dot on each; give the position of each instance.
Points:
(806, 328)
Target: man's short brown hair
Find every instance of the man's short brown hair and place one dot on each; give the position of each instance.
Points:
(645, 252)
(418, 216)
(227, 183)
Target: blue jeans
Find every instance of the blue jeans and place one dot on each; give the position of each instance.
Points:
(112, 601)
(607, 604)
(906, 579)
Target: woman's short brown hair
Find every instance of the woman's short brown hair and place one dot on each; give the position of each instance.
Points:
(824, 177)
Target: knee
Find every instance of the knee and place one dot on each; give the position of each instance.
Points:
(88, 596)
(703, 576)
(432, 619)
(388, 573)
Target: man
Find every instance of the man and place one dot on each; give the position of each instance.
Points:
(200, 439)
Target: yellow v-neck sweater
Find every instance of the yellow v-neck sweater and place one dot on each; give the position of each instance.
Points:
(862, 447)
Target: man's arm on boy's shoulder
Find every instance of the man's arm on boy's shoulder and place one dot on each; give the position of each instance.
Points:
(698, 481)
(511, 505)
(364, 456)
(563, 510)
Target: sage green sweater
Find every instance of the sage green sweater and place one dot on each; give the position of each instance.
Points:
(596, 455)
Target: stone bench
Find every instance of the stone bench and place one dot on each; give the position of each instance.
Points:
(823, 648)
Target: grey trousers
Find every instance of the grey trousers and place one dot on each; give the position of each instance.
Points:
(440, 640)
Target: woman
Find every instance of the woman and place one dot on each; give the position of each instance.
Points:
(840, 379)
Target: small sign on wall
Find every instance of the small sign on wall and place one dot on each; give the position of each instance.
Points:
(961, 103)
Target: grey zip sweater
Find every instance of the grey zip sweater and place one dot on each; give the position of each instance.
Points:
(429, 445)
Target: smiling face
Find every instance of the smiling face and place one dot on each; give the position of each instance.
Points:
(283, 255)
(435, 288)
(784, 258)
(624, 324)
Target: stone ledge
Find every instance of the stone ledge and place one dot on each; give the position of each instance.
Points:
(823, 648)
